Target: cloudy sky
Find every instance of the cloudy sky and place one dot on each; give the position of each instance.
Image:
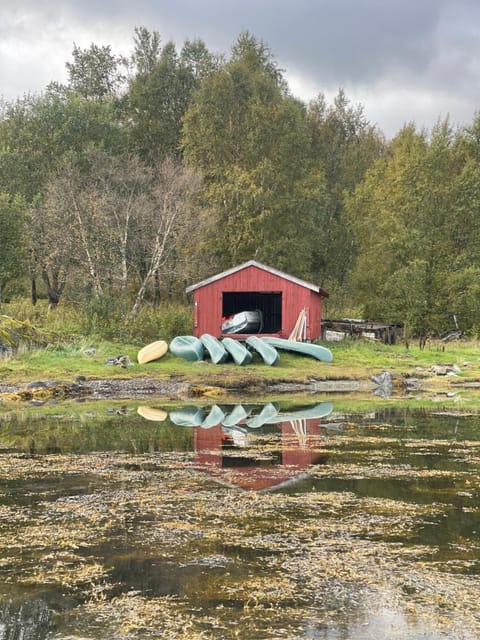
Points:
(403, 60)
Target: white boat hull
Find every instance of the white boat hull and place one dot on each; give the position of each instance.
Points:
(243, 322)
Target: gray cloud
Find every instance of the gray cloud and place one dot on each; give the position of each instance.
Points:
(410, 60)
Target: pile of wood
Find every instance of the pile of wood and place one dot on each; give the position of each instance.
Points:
(299, 332)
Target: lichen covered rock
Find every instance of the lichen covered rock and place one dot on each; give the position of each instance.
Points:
(15, 334)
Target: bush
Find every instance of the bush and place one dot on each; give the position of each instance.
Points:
(104, 319)
(163, 323)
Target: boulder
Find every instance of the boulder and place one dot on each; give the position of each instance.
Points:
(15, 334)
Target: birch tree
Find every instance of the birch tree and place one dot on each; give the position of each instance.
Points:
(114, 222)
(165, 223)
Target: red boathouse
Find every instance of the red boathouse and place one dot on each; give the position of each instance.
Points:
(280, 297)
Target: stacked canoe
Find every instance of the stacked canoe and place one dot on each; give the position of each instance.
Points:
(218, 351)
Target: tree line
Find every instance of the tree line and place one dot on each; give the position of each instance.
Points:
(145, 173)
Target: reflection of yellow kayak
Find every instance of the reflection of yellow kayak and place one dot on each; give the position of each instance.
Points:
(150, 413)
(153, 351)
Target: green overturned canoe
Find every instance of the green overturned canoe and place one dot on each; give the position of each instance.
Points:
(268, 352)
(239, 352)
(187, 347)
(305, 348)
(215, 348)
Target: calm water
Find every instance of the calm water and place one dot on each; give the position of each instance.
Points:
(240, 521)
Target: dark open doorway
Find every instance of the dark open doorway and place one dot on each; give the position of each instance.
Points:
(270, 304)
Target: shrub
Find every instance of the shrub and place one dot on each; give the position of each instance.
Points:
(104, 319)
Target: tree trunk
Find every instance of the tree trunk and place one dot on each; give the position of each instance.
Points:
(156, 289)
(34, 294)
(54, 286)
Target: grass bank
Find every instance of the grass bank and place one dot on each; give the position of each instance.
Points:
(86, 338)
(352, 360)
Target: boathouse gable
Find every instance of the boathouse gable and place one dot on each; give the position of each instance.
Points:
(251, 286)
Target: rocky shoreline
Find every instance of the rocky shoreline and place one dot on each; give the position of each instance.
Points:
(142, 388)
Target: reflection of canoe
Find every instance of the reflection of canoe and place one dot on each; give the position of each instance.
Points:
(215, 416)
(215, 348)
(269, 354)
(187, 416)
(195, 417)
(187, 347)
(318, 411)
(239, 352)
(150, 413)
(306, 348)
(270, 410)
(152, 351)
(243, 322)
(236, 415)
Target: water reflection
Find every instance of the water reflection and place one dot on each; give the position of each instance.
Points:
(147, 429)
(252, 447)
(25, 620)
(352, 526)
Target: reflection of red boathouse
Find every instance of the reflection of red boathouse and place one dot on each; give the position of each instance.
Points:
(297, 450)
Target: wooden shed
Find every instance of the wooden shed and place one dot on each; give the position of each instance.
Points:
(251, 286)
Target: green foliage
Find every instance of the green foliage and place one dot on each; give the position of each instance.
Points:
(159, 94)
(15, 334)
(12, 239)
(252, 141)
(392, 232)
(103, 318)
(36, 132)
(94, 72)
(416, 223)
(161, 323)
(345, 145)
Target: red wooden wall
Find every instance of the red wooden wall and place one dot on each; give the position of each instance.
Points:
(296, 457)
(295, 297)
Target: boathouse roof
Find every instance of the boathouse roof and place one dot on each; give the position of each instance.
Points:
(263, 267)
